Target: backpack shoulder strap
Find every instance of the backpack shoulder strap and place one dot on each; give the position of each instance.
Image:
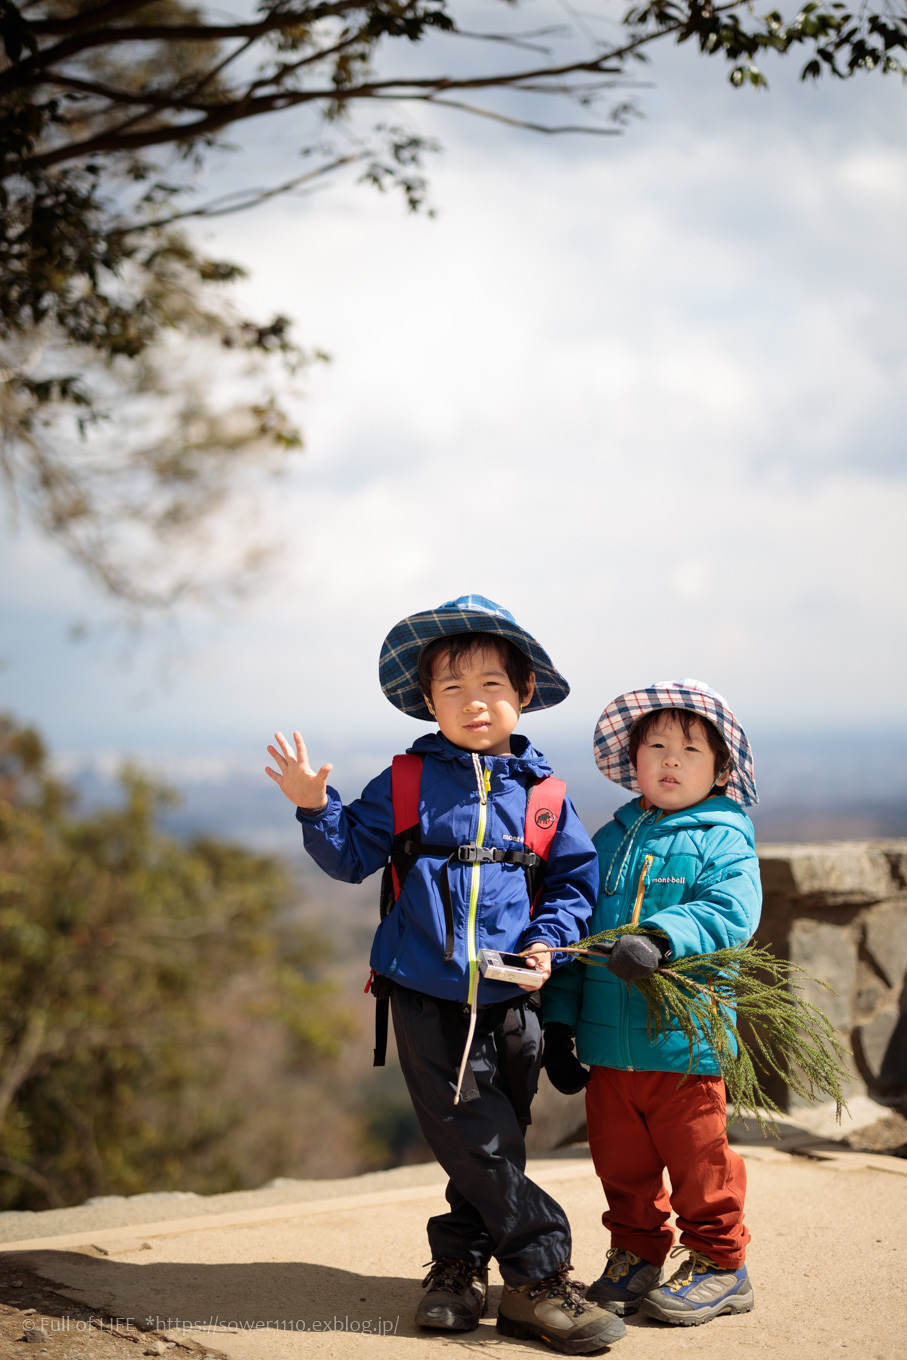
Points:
(406, 776)
(543, 812)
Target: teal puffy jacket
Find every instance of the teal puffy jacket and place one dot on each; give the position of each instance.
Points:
(693, 875)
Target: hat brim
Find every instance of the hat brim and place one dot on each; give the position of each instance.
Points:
(612, 735)
(398, 664)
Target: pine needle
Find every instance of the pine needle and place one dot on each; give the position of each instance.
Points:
(700, 994)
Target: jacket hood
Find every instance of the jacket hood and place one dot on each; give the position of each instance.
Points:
(524, 756)
(719, 810)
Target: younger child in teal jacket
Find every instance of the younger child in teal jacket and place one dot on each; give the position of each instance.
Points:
(681, 859)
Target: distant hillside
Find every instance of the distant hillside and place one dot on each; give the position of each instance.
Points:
(816, 787)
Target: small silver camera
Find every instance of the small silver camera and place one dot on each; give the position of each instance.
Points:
(508, 968)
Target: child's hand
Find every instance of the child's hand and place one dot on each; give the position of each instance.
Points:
(297, 780)
(637, 956)
(538, 956)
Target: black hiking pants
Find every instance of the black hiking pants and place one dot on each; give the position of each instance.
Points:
(495, 1210)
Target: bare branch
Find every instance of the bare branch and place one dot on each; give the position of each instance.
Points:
(398, 88)
(247, 198)
(516, 122)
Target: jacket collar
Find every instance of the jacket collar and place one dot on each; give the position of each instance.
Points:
(524, 757)
(717, 810)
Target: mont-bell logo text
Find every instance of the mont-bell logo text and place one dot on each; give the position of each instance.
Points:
(668, 880)
(544, 818)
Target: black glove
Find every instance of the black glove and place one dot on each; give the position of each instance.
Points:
(637, 956)
(565, 1071)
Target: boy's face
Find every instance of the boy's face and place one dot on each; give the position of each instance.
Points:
(674, 771)
(477, 708)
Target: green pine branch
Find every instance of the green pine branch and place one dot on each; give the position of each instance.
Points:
(706, 996)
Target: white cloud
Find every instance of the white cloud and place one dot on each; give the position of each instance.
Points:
(648, 394)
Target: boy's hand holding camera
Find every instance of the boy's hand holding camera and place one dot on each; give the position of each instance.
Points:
(305, 787)
(538, 955)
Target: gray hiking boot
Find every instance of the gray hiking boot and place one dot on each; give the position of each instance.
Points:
(626, 1280)
(699, 1291)
(555, 1311)
(455, 1296)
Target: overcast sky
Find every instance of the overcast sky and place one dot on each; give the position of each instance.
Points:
(647, 392)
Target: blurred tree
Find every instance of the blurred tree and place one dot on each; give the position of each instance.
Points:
(103, 299)
(119, 951)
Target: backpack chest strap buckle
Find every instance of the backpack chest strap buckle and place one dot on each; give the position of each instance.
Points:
(478, 854)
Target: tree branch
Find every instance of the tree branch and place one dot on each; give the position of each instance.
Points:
(27, 1173)
(18, 1068)
(175, 33)
(86, 18)
(214, 208)
(514, 122)
(400, 88)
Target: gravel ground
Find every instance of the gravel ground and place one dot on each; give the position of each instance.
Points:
(36, 1321)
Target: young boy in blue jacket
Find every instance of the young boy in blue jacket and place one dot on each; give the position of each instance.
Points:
(472, 669)
(680, 859)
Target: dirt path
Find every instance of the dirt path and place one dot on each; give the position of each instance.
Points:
(339, 1276)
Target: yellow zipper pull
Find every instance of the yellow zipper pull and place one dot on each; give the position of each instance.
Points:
(641, 889)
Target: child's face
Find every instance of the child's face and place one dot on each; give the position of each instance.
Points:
(674, 771)
(477, 708)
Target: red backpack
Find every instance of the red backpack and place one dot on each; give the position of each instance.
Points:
(543, 811)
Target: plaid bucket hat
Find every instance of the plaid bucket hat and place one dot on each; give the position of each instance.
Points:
(612, 732)
(397, 665)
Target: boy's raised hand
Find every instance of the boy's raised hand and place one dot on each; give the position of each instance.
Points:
(296, 779)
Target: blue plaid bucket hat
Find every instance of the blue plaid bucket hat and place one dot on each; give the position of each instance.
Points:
(398, 663)
(612, 733)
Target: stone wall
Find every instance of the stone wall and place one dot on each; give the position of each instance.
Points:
(839, 911)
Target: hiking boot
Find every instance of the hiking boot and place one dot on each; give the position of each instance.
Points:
(699, 1291)
(555, 1311)
(626, 1279)
(455, 1295)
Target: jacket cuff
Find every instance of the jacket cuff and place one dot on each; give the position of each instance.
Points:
(306, 816)
(311, 814)
(538, 934)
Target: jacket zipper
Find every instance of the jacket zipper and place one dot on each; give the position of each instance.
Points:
(625, 997)
(483, 780)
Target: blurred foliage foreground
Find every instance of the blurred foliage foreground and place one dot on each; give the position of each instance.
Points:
(163, 1022)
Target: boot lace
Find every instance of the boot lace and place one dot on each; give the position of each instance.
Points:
(620, 1263)
(451, 1274)
(695, 1264)
(560, 1286)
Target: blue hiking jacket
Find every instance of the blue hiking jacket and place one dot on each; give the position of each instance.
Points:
(351, 842)
(694, 875)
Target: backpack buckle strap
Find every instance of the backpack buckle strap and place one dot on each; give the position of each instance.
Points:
(479, 854)
(527, 859)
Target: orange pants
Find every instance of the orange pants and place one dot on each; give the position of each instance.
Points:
(643, 1122)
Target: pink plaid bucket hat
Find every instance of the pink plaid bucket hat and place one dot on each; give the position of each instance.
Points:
(612, 732)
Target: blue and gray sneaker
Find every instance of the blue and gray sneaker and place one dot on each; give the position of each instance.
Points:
(626, 1279)
(699, 1291)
